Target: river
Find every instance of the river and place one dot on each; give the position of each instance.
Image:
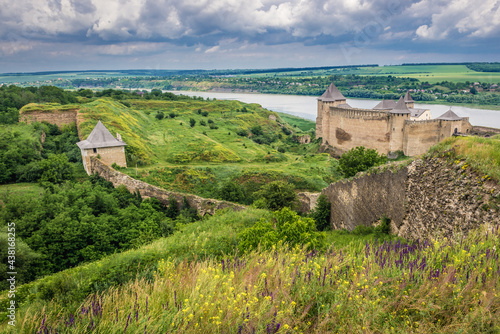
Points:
(306, 106)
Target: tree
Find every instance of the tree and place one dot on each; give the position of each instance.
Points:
(321, 214)
(276, 195)
(192, 122)
(56, 168)
(232, 192)
(359, 159)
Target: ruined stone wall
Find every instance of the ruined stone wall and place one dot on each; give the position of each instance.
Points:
(365, 200)
(446, 197)
(202, 205)
(59, 118)
(432, 196)
(348, 128)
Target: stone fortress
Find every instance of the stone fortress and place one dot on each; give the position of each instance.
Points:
(389, 127)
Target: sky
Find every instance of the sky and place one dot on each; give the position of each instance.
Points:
(49, 35)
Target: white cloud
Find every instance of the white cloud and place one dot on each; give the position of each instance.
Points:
(469, 18)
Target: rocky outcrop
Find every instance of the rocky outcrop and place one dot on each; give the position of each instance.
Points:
(202, 205)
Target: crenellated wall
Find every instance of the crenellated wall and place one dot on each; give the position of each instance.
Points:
(202, 205)
(346, 128)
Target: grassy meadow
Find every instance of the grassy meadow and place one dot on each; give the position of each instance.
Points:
(381, 286)
(223, 145)
(482, 154)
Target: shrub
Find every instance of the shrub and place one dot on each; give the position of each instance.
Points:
(192, 122)
(384, 227)
(213, 126)
(202, 122)
(241, 132)
(359, 159)
(159, 115)
(321, 214)
(257, 130)
(285, 226)
(232, 192)
(172, 115)
(56, 169)
(276, 195)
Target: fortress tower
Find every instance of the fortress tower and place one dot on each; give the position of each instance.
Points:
(101, 142)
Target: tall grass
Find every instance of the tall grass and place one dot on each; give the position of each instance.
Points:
(482, 154)
(428, 286)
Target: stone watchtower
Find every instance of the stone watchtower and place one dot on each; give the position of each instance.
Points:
(101, 142)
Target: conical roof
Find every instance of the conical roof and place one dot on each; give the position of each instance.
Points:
(449, 116)
(385, 105)
(400, 107)
(408, 97)
(332, 94)
(100, 137)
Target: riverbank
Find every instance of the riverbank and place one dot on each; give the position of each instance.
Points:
(305, 106)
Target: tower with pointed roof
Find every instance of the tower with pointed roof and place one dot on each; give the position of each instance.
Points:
(101, 143)
(332, 97)
(409, 100)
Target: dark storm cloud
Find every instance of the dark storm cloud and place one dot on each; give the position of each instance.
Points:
(148, 25)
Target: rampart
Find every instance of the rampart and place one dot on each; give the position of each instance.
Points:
(431, 196)
(57, 117)
(364, 200)
(202, 205)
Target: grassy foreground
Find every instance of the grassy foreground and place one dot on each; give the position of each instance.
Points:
(430, 286)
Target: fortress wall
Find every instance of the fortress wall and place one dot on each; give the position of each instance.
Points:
(444, 197)
(349, 128)
(202, 205)
(431, 196)
(448, 127)
(419, 136)
(56, 117)
(365, 200)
